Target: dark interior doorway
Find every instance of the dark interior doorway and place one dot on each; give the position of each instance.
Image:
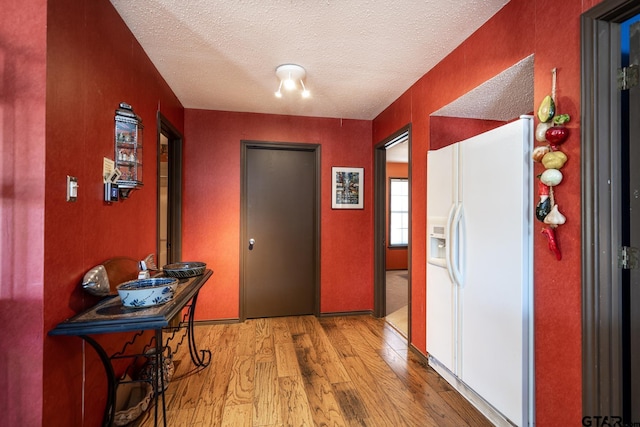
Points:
(169, 191)
(280, 229)
(400, 318)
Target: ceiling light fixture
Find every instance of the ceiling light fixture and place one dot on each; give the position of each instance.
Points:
(290, 75)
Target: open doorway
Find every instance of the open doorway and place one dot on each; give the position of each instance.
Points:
(169, 203)
(393, 230)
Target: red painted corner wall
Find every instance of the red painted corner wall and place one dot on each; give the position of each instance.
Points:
(93, 64)
(211, 204)
(445, 131)
(521, 28)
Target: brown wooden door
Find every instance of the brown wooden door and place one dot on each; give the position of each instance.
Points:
(279, 276)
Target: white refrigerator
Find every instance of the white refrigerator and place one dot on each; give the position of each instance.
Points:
(479, 270)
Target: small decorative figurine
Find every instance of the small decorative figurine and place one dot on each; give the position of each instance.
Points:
(558, 133)
(554, 218)
(551, 177)
(544, 205)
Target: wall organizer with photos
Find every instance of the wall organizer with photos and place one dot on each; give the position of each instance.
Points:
(127, 171)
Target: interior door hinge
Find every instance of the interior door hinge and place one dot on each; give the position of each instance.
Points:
(628, 258)
(628, 77)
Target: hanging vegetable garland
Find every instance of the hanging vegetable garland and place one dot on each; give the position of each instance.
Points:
(552, 131)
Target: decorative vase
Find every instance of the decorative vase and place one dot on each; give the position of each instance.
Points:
(150, 371)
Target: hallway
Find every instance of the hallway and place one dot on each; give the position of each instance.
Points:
(397, 314)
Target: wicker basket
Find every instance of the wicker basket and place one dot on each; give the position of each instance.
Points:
(132, 400)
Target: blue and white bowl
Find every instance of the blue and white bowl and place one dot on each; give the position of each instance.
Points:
(142, 293)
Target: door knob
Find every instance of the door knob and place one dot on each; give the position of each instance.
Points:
(251, 243)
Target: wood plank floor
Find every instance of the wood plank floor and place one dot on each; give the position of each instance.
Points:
(306, 371)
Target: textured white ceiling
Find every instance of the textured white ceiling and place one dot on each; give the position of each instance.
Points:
(504, 97)
(360, 55)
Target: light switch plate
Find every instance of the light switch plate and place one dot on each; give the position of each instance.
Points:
(72, 188)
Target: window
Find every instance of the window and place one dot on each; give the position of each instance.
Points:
(399, 212)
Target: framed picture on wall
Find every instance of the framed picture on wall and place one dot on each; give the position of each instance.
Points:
(347, 188)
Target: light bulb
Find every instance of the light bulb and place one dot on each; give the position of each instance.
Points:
(278, 93)
(289, 84)
(305, 92)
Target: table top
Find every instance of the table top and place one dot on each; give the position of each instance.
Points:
(109, 315)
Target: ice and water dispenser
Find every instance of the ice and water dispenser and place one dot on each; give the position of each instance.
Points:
(437, 244)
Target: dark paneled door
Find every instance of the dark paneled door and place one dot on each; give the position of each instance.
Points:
(280, 230)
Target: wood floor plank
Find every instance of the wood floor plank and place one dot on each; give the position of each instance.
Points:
(382, 379)
(241, 381)
(403, 392)
(338, 341)
(203, 387)
(351, 404)
(280, 330)
(375, 399)
(286, 360)
(422, 392)
(178, 417)
(303, 370)
(327, 354)
(387, 335)
(236, 416)
(294, 403)
(464, 409)
(204, 416)
(320, 394)
(265, 350)
(205, 390)
(246, 339)
(266, 401)
(422, 369)
(296, 324)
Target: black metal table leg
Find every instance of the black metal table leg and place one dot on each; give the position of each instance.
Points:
(158, 379)
(200, 358)
(109, 409)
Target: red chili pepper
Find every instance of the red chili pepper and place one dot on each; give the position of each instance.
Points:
(543, 189)
(550, 234)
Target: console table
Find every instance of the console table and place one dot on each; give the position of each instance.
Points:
(110, 316)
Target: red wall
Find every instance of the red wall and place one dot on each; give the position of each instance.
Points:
(521, 28)
(93, 64)
(211, 222)
(396, 258)
(22, 144)
(445, 131)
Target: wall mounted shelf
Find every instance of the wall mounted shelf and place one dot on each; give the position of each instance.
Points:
(128, 149)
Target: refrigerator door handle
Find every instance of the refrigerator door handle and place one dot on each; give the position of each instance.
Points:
(449, 240)
(455, 256)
